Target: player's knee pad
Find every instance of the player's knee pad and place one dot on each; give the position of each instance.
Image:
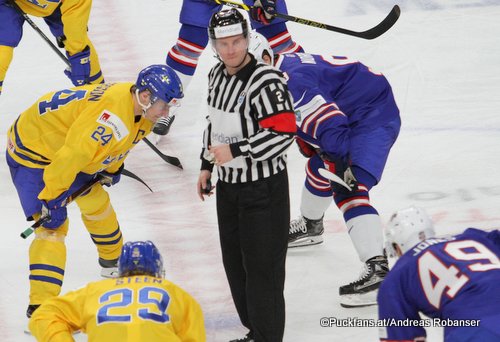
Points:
(97, 211)
(53, 235)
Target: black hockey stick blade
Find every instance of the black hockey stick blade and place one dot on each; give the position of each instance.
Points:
(27, 232)
(372, 33)
(169, 159)
(132, 175)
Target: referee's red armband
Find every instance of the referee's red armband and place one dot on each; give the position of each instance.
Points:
(283, 122)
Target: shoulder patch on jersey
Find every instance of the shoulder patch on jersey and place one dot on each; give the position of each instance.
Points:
(114, 122)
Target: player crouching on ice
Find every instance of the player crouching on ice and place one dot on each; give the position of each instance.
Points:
(140, 305)
(347, 121)
(65, 140)
(454, 280)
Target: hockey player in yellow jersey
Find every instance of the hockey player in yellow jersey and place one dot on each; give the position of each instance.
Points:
(140, 305)
(63, 142)
(67, 20)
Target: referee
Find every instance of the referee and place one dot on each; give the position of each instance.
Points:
(251, 124)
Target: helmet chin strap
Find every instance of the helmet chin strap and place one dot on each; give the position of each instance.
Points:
(144, 107)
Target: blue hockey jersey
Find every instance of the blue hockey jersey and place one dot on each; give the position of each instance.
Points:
(198, 12)
(342, 106)
(455, 281)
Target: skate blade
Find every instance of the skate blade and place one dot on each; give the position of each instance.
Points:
(359, 300)
(306, 241)
(157, 138)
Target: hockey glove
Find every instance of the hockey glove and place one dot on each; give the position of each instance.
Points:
(263, 11)
(342, 169)
(80, 67)
(109, 179)
(305, 149)
(53, 216)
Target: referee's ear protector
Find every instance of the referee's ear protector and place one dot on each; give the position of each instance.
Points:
(208, 188)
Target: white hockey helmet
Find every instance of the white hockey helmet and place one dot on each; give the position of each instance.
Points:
(258, 46)
(406, 228)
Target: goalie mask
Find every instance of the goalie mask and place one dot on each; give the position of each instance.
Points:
(406, 228)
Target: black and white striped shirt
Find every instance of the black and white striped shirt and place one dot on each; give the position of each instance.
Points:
(252, 111)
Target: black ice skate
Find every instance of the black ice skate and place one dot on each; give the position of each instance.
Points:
(162, 126)
(363, 292)
(305, 232)
(109, 268)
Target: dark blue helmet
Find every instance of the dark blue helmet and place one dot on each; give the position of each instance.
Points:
(162, 82)
(140, 258)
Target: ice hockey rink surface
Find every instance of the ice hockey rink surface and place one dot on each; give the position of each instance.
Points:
(441, 58)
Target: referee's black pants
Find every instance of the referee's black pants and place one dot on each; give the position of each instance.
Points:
(254, 218)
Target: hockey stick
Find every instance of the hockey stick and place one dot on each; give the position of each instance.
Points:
(132, 175)
(333, 177)
(40, 32)
(372, 33)
(169, 159)
(27, 232)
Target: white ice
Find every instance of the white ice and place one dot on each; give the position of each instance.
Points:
(442, 61)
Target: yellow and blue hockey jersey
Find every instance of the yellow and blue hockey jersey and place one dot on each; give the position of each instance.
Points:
(74, 16)
(85, 129)
(135, 308)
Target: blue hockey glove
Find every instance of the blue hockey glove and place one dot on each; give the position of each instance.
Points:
(54, 215)
(342, 169)
(80, 67)
(109, 179)
(263, 11)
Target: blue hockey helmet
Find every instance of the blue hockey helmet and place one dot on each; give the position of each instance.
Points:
(140, 258)
(163, 83)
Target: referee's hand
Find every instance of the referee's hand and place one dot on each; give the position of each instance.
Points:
(204, 186)
(222, 154)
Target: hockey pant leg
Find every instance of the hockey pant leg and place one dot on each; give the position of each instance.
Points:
(56, 26)
(184, 55)
(47, 257)
(6, 54)
(100, 220)
(11, 32)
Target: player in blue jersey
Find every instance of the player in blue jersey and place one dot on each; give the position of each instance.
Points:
(193, 38)
(454, 280)
(347, 122)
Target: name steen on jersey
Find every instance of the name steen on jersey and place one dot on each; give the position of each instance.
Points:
(114, 122)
